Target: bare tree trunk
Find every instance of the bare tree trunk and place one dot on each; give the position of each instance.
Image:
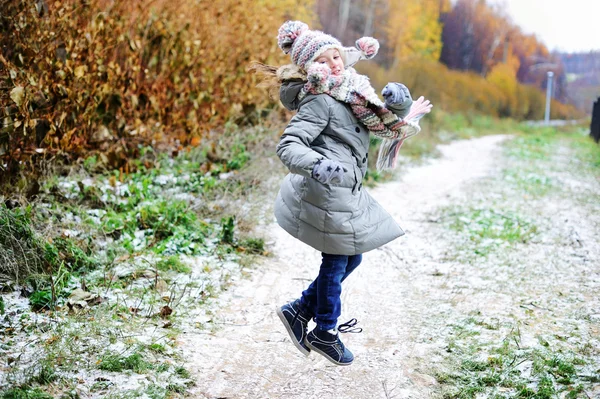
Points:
(368, 31)
(490, 55)
(343, 15)
(467, 47)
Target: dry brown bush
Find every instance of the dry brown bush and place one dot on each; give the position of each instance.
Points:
(21, 252)
(81, 75)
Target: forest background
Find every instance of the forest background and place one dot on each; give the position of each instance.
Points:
(97, 75)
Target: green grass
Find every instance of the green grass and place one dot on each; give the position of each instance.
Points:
(21, 250)
(252, 246)
(501, 367)
(182, 372)
(85, 225)
(166, 217)
(25, 393)
(168, 225)
(66, 250)
(541, 157)
(41, 300)
(152, 391)
(131, 212)
(44, 375)
(157, 348)
(486, 229)
(587, 152)
(531, 182)
(39, 375)
(488, 358)
(118, 363)
(121, 234)
(532, 146)
(173, 263)
(485, 223)
(541, 143)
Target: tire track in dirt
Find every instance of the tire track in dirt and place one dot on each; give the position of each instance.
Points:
(393, 294)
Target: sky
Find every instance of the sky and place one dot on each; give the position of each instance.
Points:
(563, 25)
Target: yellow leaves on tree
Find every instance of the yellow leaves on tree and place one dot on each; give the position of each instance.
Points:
(414, 30)
(467, 93)
(503, 76)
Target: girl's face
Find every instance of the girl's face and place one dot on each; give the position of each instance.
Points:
(333, 59)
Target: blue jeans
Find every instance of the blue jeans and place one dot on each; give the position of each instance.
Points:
(322, 297)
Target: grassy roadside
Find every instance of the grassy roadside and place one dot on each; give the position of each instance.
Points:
(104, 269)
(122, 263)
(439, 128)
(526, 233)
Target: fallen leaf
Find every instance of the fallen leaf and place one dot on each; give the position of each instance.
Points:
(165, 311)
(80, 71)
(52, 339)
(80, 295)
(17, 95)
(161, 285)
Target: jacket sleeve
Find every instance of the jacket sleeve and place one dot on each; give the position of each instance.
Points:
(288, 94)
(294, 146)
(400, 110)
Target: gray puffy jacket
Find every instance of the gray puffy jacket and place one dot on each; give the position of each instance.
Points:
(340, 219)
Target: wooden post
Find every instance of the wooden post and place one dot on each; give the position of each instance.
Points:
(595, 127)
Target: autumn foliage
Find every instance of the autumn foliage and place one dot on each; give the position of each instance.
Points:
(478, 37)
(499, 94)
(466, 56)
(109, 75)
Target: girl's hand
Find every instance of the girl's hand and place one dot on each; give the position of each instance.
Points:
(327, 171)
(395, 93)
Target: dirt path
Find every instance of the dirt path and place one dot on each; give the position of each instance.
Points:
(392, 295)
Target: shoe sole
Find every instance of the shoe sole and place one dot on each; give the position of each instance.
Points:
(291, 333)
(326, 356)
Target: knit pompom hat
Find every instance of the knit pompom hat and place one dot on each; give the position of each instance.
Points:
(305, 45)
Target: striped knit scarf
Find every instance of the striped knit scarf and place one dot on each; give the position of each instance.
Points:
(356, 91)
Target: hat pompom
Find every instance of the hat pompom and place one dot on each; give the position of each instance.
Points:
(288, 33)
(368, 46)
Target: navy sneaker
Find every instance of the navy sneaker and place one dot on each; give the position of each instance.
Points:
(330, 346)
(295, 321)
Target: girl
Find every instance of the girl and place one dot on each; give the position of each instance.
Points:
(322, 201)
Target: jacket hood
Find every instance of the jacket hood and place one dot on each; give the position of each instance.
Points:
(292, 78)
